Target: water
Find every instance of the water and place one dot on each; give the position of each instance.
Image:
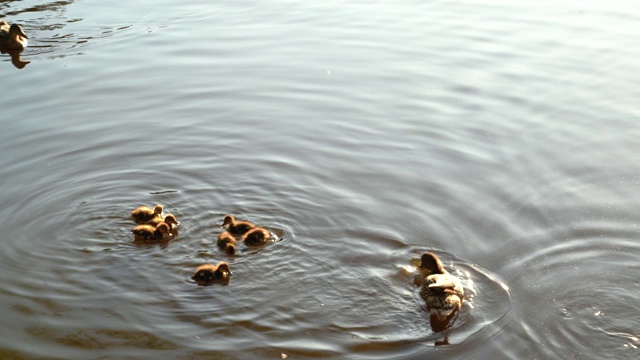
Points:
(501, 136)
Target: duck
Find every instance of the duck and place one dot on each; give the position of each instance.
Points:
(442, 291)
(209, 273)
(12, 37)
(236, 227)
(169, 219)
(227, 243)
(149, 233)
(144, 214)
(256, 237)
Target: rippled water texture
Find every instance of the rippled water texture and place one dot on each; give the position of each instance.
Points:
(501, 135)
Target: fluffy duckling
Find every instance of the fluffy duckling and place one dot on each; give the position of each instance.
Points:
(12, 37)
(442, 291)
(170, 220)
(237, 227)
(227, 243)
(209, 273)
(148, 233)
(144, 214)
(256, 236)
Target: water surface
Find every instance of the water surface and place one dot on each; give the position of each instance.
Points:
(502, 136)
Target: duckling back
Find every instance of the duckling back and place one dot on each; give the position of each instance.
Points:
(256, 237)
(147, 233)
(144, 232)
(209, 273)
(144, 214)
(443, 294)
(235, 226)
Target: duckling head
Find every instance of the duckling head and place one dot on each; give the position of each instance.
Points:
(163, 229)
(16, 29)
(171, 220)
(158, 209)
(224, 270)
(228, 220)
(430, 261)
(143, 232)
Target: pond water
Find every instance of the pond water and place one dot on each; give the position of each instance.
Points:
(503, 136)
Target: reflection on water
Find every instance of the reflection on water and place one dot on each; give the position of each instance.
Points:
(56, 31)
(500, 136)
(16, 58)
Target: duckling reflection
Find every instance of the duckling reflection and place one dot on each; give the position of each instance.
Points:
(439, 325)
(442, 342)
(442, 292)
(208, 274)
(16, 58)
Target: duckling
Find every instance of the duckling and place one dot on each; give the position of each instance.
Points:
(227, 243)
(237, 227)
(170, 220)
(12, 37)
(256, 236)
(442, 291)
(208, 273)
(144, 214)
(148, 233)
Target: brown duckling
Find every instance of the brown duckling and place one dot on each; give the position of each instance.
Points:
(237, 227)
(12, 37)
(170, 220)
(209, 273)
(144, 214)
(256, 236)
(442, 291)
(227, 243)
(148, 233)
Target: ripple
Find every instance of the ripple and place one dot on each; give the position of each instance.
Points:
(360, 142)
(584, 283)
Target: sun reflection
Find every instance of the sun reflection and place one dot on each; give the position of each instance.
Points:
(408, 269)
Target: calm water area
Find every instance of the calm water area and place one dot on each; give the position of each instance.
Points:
(502, 135)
